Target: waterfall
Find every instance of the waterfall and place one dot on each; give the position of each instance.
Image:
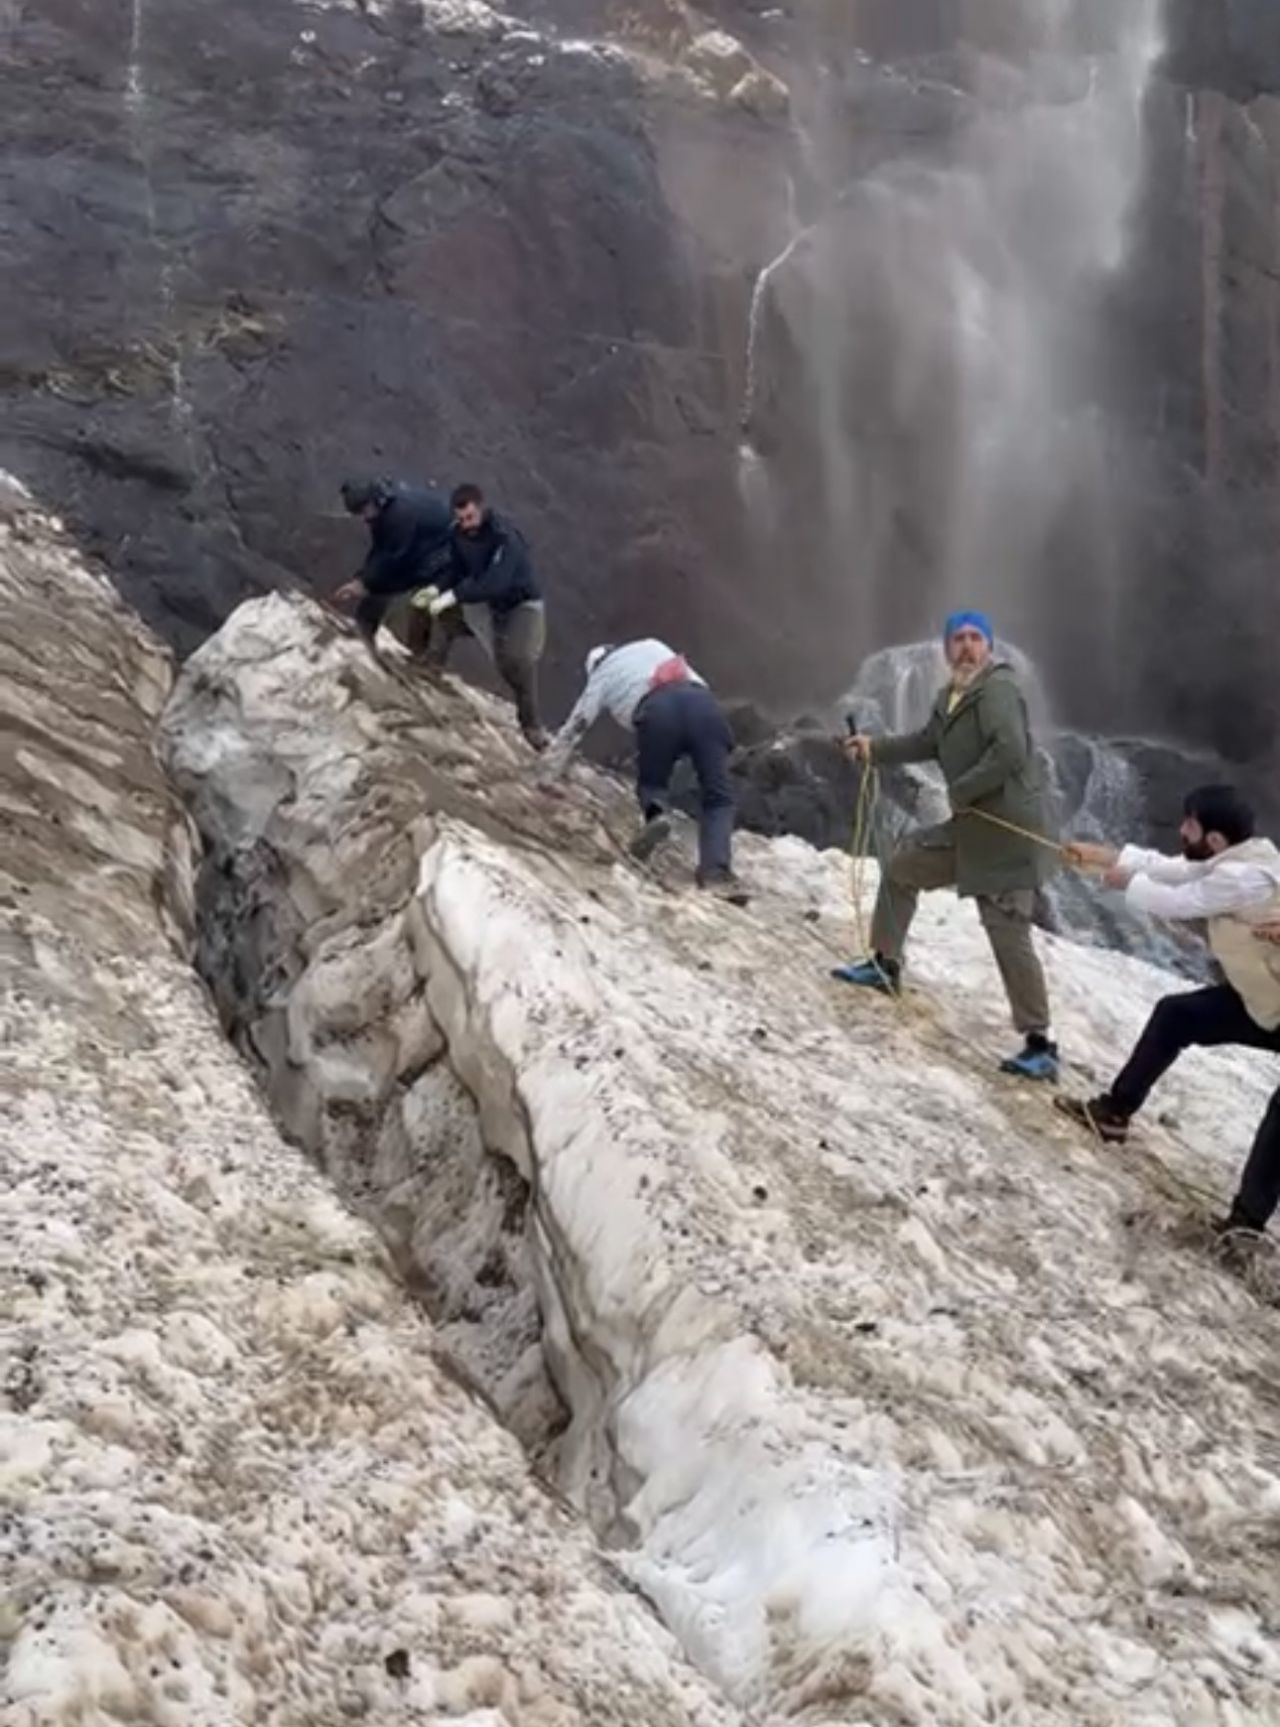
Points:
(137, 101)
(755, 321)
(134, 95)
(895, 688)
(943, 399)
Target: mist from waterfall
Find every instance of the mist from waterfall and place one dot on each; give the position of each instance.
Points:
(933, 397)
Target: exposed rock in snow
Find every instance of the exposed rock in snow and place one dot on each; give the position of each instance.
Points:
(719, 58)
(724, 67)
(89, 836)
(237, 1485)
(904, 1404)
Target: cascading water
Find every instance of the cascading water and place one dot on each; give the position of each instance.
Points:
(934, 397)
(755, 320)
(137, 100)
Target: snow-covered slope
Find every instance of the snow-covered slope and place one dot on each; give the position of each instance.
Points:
(902, 1403)
(237, 1484)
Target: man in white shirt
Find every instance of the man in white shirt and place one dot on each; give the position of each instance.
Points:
(1231, 879)
(650, 689)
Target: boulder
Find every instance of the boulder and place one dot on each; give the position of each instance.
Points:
(719, 60)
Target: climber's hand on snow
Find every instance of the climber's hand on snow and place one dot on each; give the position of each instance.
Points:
(1082, 855)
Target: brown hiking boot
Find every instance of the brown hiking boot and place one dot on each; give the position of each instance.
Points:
(655, 832)
(723, 884)
(1098, 1114)
(1237, 1240)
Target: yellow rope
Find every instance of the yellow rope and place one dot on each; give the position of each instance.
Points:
(864, 819)
(1022, 833)
(1168, 1182)
(863, 814)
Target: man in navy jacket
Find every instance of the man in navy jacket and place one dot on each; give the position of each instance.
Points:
(409, 545)
(490, 571)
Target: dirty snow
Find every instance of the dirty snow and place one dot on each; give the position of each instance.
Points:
(903, 1403)
(236, 1484)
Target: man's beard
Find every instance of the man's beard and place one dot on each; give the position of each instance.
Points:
(964, 674)
(1197, 851)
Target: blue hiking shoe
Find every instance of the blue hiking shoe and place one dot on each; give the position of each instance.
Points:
(884, 975)
(1037, 1059)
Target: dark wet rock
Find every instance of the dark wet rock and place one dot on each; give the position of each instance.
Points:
(278, 243)
(287, 242)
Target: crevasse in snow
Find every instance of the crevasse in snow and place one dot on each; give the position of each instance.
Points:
(892, 1394)
(898, 1401)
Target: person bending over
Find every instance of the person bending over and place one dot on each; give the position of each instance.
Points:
(409, 545)
(650, 689)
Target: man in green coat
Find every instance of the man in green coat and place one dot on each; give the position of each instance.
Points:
(980, 736)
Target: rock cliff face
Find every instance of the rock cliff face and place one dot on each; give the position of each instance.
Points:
(1198, 348)
(251, 247)
(889, 1393)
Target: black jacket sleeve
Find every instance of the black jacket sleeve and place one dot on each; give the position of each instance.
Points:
(504, 577)
(394, 535)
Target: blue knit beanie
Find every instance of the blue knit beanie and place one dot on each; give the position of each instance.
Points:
(968, 621)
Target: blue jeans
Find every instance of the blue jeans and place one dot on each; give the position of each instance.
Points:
(685, 720)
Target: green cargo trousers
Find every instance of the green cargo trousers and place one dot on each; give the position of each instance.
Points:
(927, 861)
(516, 640)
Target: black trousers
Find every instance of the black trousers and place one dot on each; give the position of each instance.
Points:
(371, 610)
(1259, 1193)
(1201, 1018)
(1208, 1018)
(686, 720)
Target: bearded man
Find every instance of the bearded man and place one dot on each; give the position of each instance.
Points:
(992, 850)
(1228, 877)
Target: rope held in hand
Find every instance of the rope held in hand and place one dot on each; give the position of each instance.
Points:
(1173, 1187)
(1022, 833)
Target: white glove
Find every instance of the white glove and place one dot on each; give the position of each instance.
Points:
(442, 602)
(422, 599)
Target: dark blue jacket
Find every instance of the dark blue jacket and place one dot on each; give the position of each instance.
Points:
(409, 541)
(492, 566)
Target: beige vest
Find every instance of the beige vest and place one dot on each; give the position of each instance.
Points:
(1252, 966)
